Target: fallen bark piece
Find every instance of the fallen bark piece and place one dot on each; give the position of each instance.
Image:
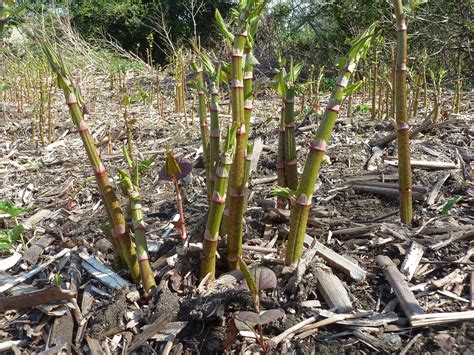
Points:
(39, 216)
(310, 329)
(472, 289)
(333, 291)
(424, 126)
(102, 273)
(436, 189)
(273, 342)
(170, 332)
(391, 192)
(374, 342)
(265, 180)
(36, 298)
(9, 262)
(150, 330)
(426, 164)
(25, 276)
(353, 232)
(61, 333)
(407, 299)
(33, 253)
(94, 346)
(431, 319)
(256, 153)
(412, 260)
(341, 263)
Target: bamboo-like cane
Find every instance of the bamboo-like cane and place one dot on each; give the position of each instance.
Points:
(202, 113)
(291, 172)
(121, 238)
(317, 148)
(241, 112)
(132, 191)
(281, 178)
(401, 117)
(211, 235)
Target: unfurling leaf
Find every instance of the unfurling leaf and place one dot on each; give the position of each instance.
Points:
(285, 192)
(177, 167)
(354, 87)
(250, 282)
(450, 204)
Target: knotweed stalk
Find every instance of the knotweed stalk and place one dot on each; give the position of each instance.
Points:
(281, 177)
(121, 238)
(317, 148)
(132, 191)
(202, 113)
(236, 188)
(291, 172)
(211, 235)
(403, 138)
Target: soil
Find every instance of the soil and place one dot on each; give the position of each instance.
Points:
(52, 175)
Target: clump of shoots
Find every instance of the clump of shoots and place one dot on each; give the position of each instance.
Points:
(180, 81)
(257, 279)
(174, 170)
(286, 86)
(437, 79)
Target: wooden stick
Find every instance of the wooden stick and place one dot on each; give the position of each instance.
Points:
(36, 298)
(386, 191)
(407, 299)
(333, 291)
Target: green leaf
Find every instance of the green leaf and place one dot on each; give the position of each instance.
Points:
(450, 204)
(285, 192)
(172, 167)
(10, 236)
(207, 64)
(222, 27)
(11, 209)
(352, 88)
(145, 164)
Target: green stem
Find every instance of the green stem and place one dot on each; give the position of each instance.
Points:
(403, 138)
(291, 172)
(300, 210)
(216, 210)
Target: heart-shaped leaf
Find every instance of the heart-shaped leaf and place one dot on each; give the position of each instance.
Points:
(263, 278)
(271, 315)
(247, 320)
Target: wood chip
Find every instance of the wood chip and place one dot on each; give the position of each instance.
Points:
(150, 330)
(412, 260)
(36, 298)
(407, 300)
(341, 263)
(102, 273)
(33, 253)
(25, 276)
(333, 291)
(436, 189)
